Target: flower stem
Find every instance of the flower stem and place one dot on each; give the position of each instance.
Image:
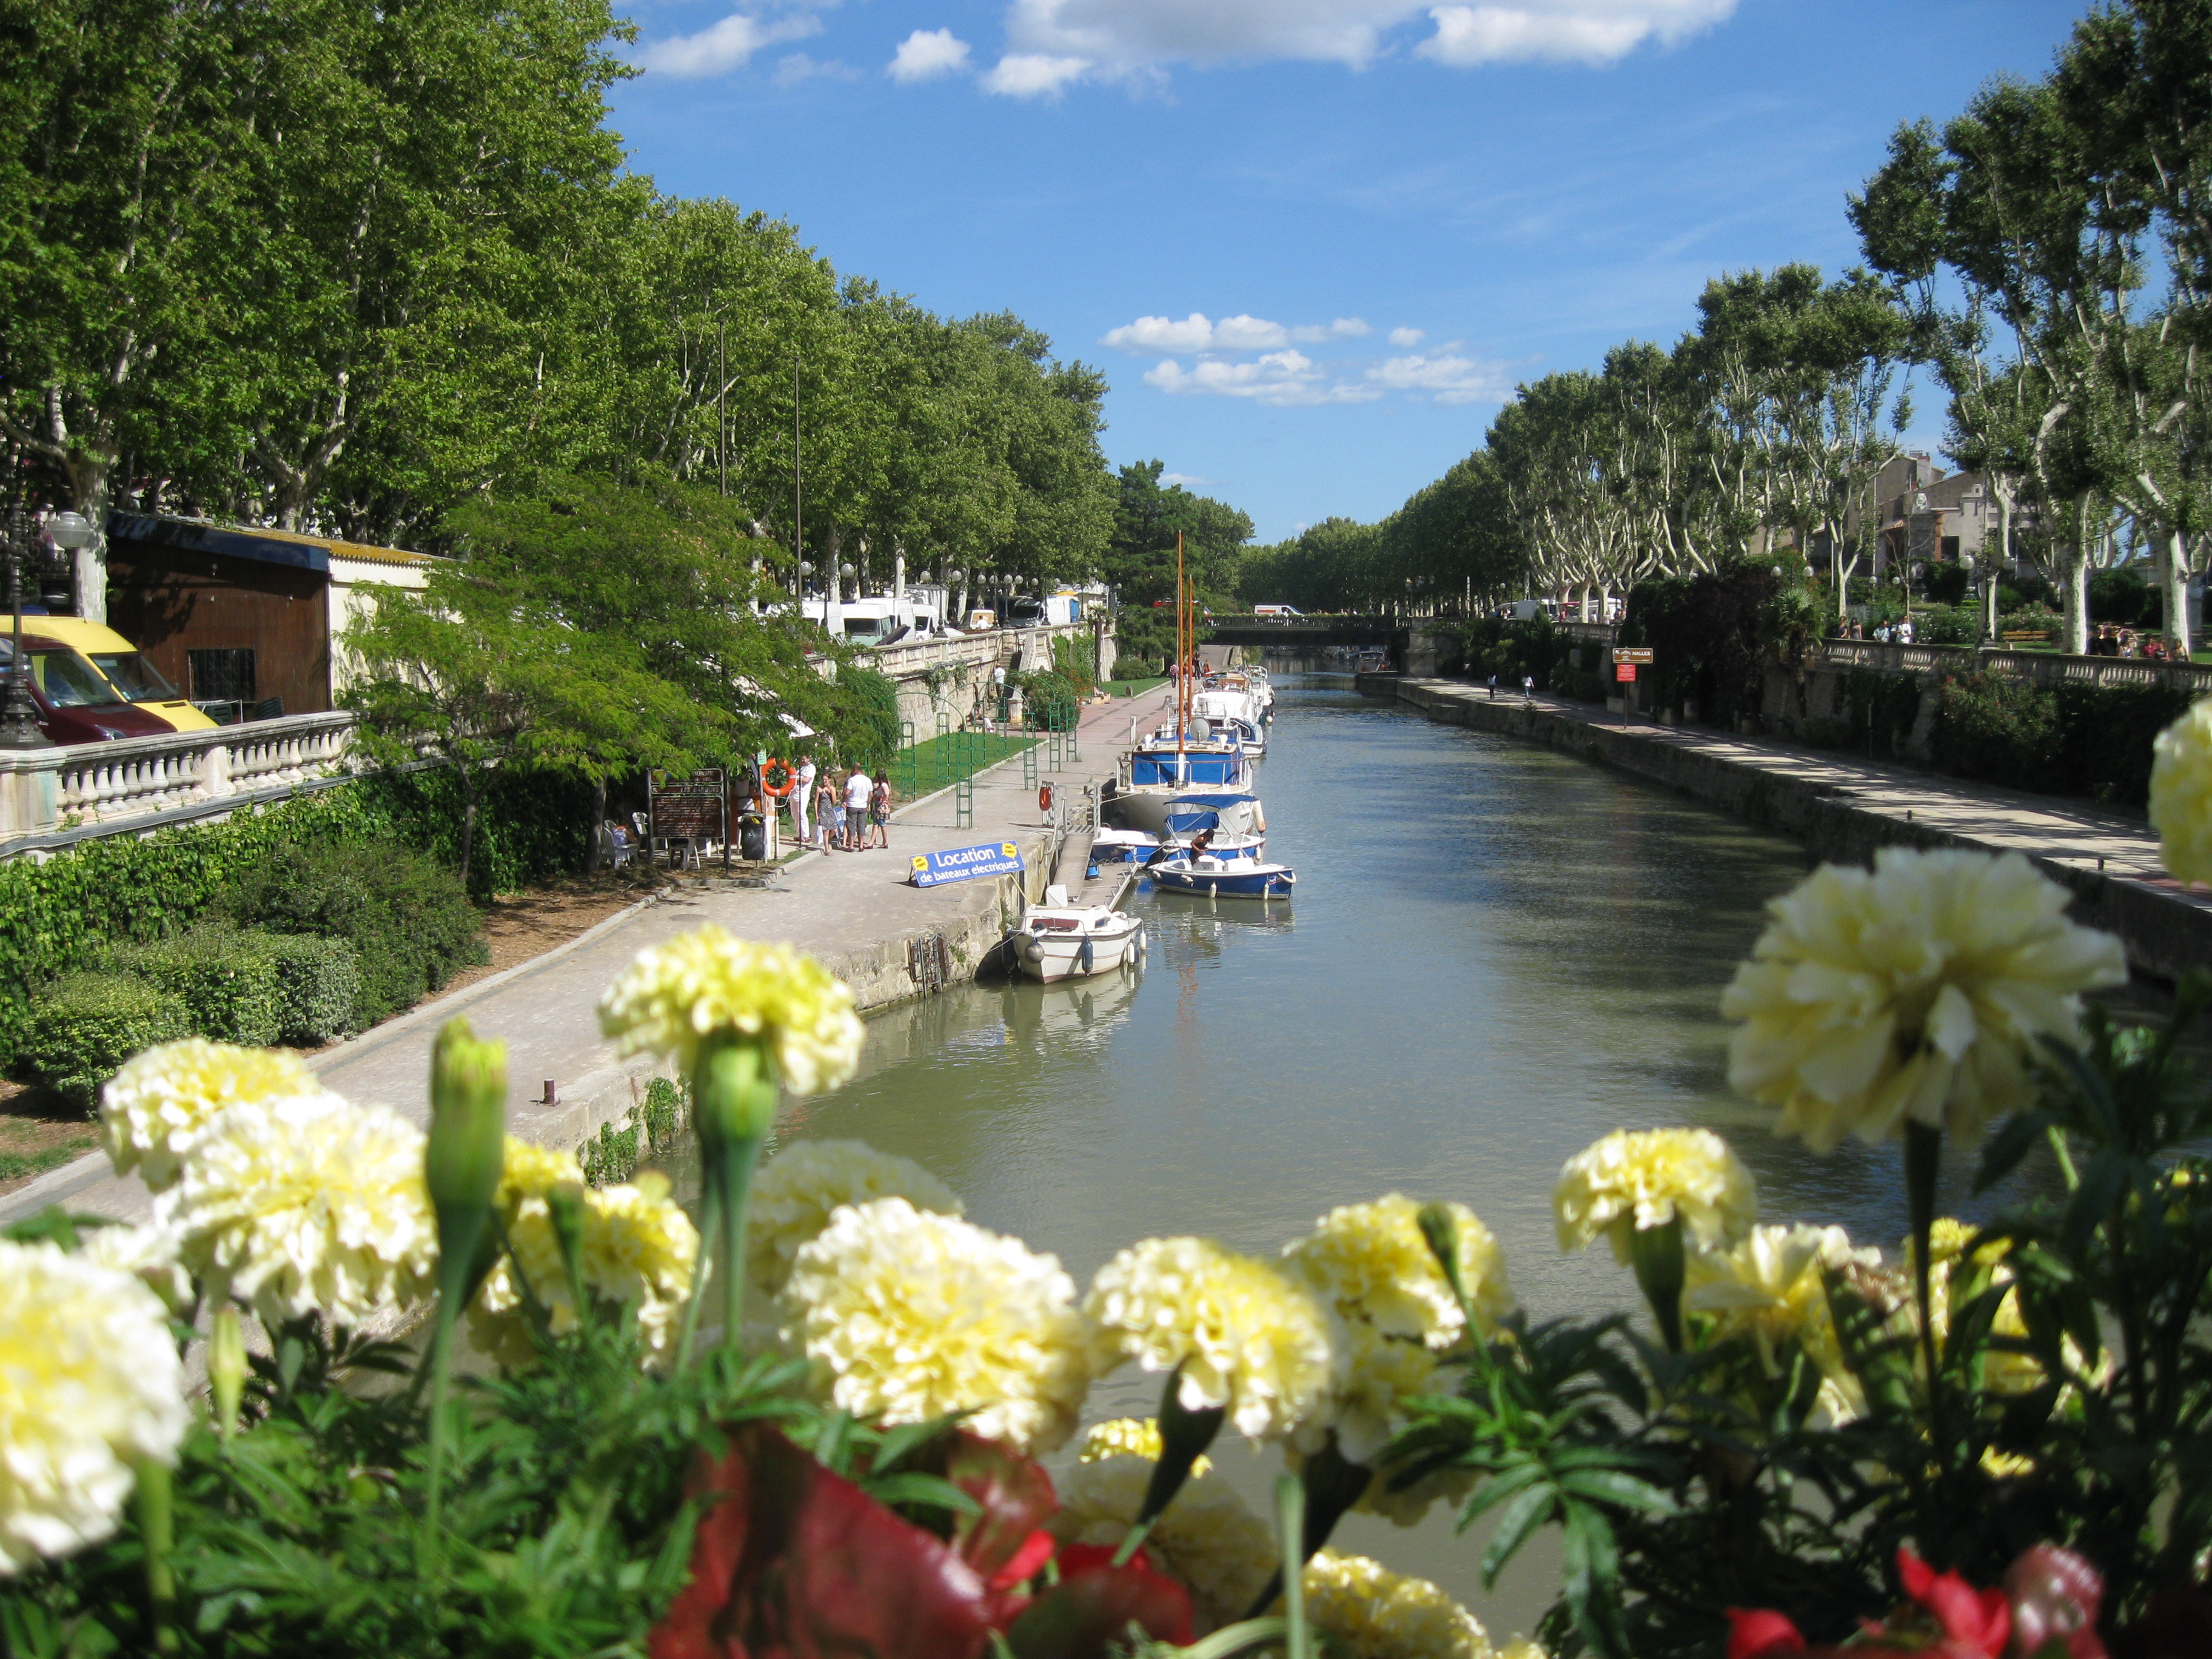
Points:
(156, 1503)
(1923, 1149)
(733, 1092)
(710, 1230)
(1657, 1254)
(1291, 1531)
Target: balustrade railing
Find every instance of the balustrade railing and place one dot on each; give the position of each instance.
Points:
(80, 786)
(2043, 667)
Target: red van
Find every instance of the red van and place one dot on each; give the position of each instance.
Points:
(74, 701)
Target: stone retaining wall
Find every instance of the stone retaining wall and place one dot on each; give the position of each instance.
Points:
(2164, 936)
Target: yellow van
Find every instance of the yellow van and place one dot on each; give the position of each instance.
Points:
(135, 679)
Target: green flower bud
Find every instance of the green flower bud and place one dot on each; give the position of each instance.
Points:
(226, 1363)
(467, 1145)
(733, 1091)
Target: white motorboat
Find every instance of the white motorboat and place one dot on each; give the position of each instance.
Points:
(1058, 940)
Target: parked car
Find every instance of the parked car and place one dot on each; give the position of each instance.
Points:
(75, 701)
(122, 665)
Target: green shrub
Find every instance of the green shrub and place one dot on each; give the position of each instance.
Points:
(405, 914)
(1888, 705)
(230, 989)
(318, 983)
(1946, 584)
(85, 1025)
(1826, 731)
(1999, 730)
(2106, 734)
(1947, 624)
(1048, 695)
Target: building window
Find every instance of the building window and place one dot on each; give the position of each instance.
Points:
(223, 675)
(1950, 547)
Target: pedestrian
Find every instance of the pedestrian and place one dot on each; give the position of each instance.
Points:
(1494, 688)
(879, 814)
(1529, 688)
(825, 809)
(859, 787)
(802, 797)
(1905, 632)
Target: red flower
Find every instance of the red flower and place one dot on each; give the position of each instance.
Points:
(1757, 1633)
(2055, 1598)
(1975, 1623)
(1094, 1603)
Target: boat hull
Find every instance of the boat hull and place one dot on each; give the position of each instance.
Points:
(1050, 954)
(1238, 879)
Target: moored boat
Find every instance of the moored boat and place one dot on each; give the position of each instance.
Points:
(1058, 940)
(1209, 876)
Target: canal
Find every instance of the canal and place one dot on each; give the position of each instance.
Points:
(1497, 954)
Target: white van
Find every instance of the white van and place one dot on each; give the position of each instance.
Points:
(1277, 612)
(1060, 611)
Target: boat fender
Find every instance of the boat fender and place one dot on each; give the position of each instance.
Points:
(1044, 798)
(1259, 817)
(1028, 945)
(1084, 955)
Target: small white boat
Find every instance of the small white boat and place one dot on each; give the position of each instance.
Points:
(1219, 879)
(1058, 940)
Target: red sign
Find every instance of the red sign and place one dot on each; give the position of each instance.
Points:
(1624, 672)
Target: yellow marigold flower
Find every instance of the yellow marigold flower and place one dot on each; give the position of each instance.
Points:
(1368, 1612)
(1378, 1374)
(1769, 1288)
(1913, 991)
(640, 1248)
(1631, 1180)
(147, 1254)
(676, 995)
(797, 1191)
(1372, 1262)
(151, 1110)
(89, 1381)
(1206, 1539)
(1522, 1648)
(1130, 1436)
(528, 1171)
(306, 1203)
(904, 1315)
(2181, 795)
(1248, 1338)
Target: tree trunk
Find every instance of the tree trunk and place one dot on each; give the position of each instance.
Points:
(2077, 570)
(2173, 559)
(470, 789)
(1989, 569)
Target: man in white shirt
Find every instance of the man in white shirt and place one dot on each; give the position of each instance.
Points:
(801, 797)
(858, 788)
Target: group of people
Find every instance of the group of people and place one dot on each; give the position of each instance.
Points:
(851, 811)
(2111, 640)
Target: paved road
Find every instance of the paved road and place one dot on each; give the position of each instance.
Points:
(543, 1008)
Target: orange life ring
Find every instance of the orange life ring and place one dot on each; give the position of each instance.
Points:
(790, 778)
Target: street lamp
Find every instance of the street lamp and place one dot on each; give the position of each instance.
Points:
(845, 570)
(19, 712)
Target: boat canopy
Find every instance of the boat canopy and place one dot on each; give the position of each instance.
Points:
(1167, 767)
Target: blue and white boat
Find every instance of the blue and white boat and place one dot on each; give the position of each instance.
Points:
(1135, 846)
(1208, 876)
(1172, 783)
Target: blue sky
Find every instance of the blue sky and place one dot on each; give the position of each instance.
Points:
(1312, 243)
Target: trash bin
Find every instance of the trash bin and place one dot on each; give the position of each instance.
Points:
(753, 837)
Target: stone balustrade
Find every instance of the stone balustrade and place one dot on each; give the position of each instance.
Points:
(2043, 667)
(47, 794)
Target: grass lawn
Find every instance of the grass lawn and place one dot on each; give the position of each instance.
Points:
(934, 762)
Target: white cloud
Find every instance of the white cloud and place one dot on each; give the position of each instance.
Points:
(1034, 74)
(1198, 332)
(723, 46)
(1172, 479)
(1565, 30)
(1056, 41)
(927, 53)
(1277, 377)
(1445, 376)
(797, 67)
(1406, 338)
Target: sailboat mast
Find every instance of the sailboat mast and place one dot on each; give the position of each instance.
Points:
(1182, 663)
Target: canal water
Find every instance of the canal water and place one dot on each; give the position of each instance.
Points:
(1496, 955)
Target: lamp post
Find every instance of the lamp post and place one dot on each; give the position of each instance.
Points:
(845, 572)
(19, 712)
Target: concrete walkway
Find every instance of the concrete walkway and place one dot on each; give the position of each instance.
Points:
(1845, 807)
(855, 910)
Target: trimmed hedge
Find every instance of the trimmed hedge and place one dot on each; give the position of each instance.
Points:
(66, 913)
(231, 991)
(405, 914)
(319, 982)
(85, 1025)
(2088, 740)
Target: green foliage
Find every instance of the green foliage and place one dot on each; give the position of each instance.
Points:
(2071, 1401)
(407, 916)
(1050, 700)
(318, 985)
(85, 1025)
(2105, 737)
(1712, 637)
(1139, 562)
(1946, 584)
(654, 1127)
(1997, 729)
(232, 991)
(1884, 708)
(1075, 660)
(869, 716)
